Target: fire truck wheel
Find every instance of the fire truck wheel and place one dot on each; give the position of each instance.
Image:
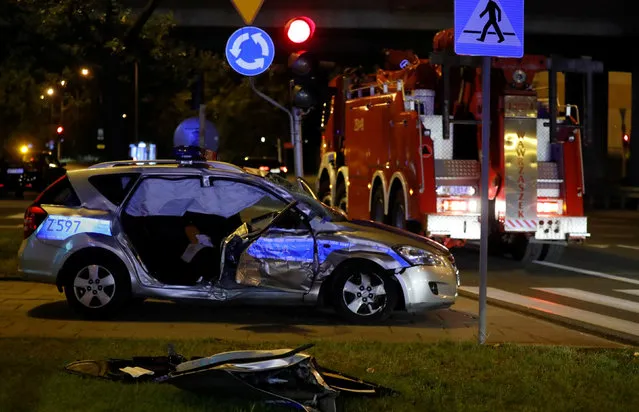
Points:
(363, 294)
(552, 253)
(377, 206)
(340, 198)
(525, 251)
(398, 211)
(496, 245)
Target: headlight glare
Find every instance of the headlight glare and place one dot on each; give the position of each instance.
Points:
(416, 256)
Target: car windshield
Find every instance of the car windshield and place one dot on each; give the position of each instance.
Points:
(301, 195)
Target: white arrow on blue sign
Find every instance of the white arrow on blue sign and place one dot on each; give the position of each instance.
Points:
(250, 51)
(489, 28)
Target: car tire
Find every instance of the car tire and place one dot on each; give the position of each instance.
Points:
(377, 206)
(97, 286)
(367, 287)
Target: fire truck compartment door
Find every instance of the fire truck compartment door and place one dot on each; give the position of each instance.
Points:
(520, 158)
(455, 226)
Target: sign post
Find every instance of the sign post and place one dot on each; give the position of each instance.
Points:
(488, 28)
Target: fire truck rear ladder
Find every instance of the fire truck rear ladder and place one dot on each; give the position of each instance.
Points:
(584, 66)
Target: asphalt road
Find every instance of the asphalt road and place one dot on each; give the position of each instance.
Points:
(12, 211)
(594, 286)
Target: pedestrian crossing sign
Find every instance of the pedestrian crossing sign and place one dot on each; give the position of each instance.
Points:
(489, 28)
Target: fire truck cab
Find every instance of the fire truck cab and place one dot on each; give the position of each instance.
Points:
(402, 147)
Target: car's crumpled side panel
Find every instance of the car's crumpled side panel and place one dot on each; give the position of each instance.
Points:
(281, 258)
(286, 259)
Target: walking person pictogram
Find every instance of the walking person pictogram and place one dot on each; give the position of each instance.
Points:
(494, 16)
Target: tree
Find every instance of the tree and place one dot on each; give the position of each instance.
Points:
(241, 116)
(56, 36)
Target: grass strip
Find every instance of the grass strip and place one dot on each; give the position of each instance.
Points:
(440, 376)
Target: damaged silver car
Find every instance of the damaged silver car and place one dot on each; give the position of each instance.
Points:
(210, 232)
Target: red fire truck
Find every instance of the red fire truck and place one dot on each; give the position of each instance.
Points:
(402, 147)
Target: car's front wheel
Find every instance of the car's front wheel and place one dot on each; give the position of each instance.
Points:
(363, 294)
(97, 287)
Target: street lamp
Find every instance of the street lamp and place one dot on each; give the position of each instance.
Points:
(84, 72)
(263, 139)
(63, 83)
(124, 115)
(50, 91)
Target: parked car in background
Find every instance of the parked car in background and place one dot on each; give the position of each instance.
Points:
(12, 175)
(42, 169)
(262, 165)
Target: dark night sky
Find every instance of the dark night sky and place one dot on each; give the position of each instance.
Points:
(363, 47)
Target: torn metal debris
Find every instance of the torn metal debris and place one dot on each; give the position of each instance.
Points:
(287, 377)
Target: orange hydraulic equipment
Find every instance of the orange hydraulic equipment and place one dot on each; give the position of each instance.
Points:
(402, 147)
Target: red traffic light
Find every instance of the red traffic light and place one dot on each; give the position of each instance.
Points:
(60, 129)
(299, 29)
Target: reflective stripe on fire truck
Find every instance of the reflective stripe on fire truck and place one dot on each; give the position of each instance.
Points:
(520, 225)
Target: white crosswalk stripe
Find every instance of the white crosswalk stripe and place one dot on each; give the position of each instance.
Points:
(629, 291)
(594, 298)
(566, 311)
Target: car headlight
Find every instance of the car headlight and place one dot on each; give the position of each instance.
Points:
(416, 256)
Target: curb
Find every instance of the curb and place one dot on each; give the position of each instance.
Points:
(579, 326)
(11, 279)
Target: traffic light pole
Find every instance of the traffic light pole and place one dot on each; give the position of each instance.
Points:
(295, 119)
(297, 142)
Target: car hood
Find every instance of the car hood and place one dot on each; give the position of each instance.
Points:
(387, 235)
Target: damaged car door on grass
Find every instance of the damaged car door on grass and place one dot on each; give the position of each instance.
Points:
(285, 377)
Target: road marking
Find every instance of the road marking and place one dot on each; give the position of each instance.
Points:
(588, 272)
(545, 306)
(628, 291)
(586, 296)
(629, 247)
(618, 235)
(598, 246)
(10, 226)
(14, 216)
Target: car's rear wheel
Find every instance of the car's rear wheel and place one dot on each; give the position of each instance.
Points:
(97, 287)
(363, 294)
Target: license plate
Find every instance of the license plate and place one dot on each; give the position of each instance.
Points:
(275, 170)
(15, 171)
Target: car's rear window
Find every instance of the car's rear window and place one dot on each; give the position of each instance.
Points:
(114, 187)
(60, 193)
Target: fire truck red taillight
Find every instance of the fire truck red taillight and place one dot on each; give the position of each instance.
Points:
(458, 205)
(33, 217)
(553, 207)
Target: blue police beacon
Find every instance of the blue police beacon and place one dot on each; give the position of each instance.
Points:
(186, 141)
